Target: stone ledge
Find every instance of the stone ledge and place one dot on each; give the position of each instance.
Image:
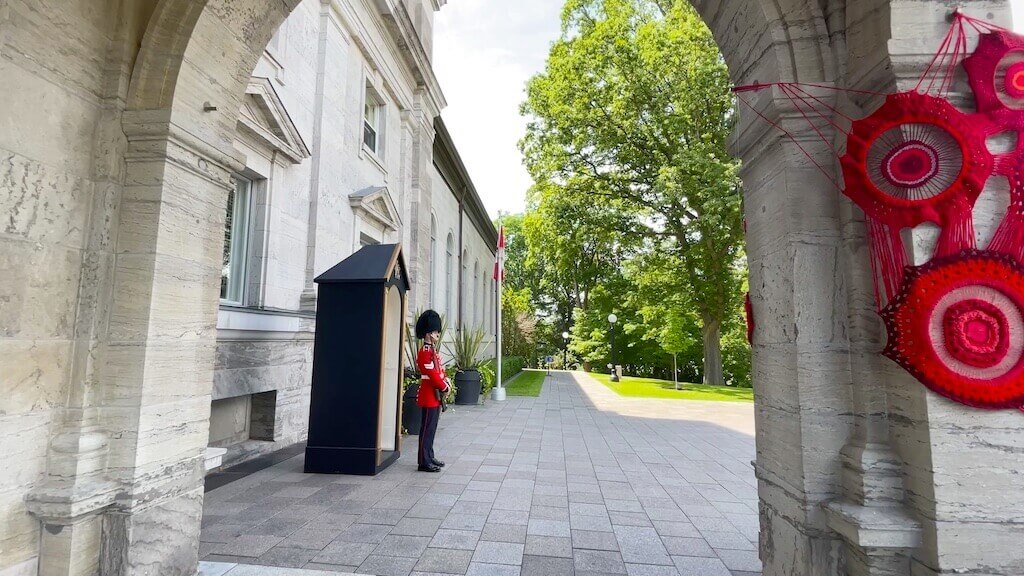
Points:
(63, 505)
(873, 528)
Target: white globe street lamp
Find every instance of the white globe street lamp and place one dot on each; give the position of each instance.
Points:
(612, 319)
(565, 350)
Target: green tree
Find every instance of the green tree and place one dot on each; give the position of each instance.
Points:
(630, 117)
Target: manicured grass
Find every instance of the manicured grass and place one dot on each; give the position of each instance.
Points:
(651, 388)
(527, 383)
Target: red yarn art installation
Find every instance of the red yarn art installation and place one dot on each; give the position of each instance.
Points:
(956, 323)
(958, 327)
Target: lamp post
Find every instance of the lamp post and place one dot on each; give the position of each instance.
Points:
(612, 318)
(565, 350)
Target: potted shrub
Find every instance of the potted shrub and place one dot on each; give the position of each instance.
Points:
(466, 352)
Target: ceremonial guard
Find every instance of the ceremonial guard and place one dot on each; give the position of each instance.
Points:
(433, 385)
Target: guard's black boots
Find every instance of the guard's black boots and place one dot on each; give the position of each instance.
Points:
(429, 468)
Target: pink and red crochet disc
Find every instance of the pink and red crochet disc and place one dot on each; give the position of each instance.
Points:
(958, 327)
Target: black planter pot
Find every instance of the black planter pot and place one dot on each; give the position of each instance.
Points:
(467, 387)
(411, 412)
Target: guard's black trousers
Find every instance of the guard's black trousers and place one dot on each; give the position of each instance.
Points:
(427, 430)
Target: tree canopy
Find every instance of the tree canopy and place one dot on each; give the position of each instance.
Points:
(626, 144)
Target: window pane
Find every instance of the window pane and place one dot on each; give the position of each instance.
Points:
(236, 233)
(369, 136)
(225, 271)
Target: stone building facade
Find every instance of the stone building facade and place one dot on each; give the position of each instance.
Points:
(327, 170)
(337, 143)
(118, 155)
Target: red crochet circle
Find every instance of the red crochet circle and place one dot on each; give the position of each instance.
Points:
(998, 57)
(1014, 82)
(912, 164)
(976, 333)
(957, 325)
(961, 163)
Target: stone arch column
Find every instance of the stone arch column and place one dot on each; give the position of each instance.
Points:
(182, 108)
(794, 240)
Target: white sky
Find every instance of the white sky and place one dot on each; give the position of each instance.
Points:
(484, 52)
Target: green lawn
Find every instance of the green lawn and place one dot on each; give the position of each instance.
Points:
(527, 383)
(651, 388)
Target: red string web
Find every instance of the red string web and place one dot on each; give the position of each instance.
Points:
(957, 322)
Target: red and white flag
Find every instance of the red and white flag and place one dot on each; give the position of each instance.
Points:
(499, 259)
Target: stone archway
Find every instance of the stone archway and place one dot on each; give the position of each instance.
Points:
(858, 467)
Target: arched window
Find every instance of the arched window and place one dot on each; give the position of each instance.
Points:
(449, 281)
(476, 297)
(464, 290)
(433, 262)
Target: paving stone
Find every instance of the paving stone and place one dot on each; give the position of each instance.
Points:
(548, 528)
(416, 527)
(344, 554)
(652, 570)
(499, 553)
(504, 533)
(518, 517)
(387, 516)
(592, 523)
(740, 560)
(585, 497)
(408, 546)
(551, 501)
(464, 522)
(549, 513)
(641, 545)
(287, 557)
(629, 519)
(688, 547)
(548, 546)
(472, 508)
(546, 566)
(282, 527)
(455, 539)
(700, 566)
(589, 540)
(365, 533)
(583, 509)
(483, 569)
(598, 561)
(444, 561)
(387, 566)
(727, 540)
(330, 568)
(248, 545)
(680, 529)
(221, 534)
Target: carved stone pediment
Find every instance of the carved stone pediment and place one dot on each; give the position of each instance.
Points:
(264, 117)
(375, 203)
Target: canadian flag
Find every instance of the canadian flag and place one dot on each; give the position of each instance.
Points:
(499, 260)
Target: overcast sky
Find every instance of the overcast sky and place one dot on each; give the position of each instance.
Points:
(484, 52)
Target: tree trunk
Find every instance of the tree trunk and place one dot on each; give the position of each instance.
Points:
(712, 331)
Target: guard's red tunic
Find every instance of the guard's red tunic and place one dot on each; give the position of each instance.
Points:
(432, 377)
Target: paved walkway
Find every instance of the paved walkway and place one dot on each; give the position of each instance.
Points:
(578, 481)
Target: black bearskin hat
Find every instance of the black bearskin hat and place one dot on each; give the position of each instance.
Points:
(428, 322)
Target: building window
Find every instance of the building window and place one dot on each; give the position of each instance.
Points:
(448, 271)
(433, 260)
(486, 302)
(464, 290)
(476, 296)
(236, 242)
(367, 240)
(373, 122)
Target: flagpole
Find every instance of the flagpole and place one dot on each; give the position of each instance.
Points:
(498, 393)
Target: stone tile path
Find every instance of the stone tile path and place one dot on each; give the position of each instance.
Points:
(578, 481)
